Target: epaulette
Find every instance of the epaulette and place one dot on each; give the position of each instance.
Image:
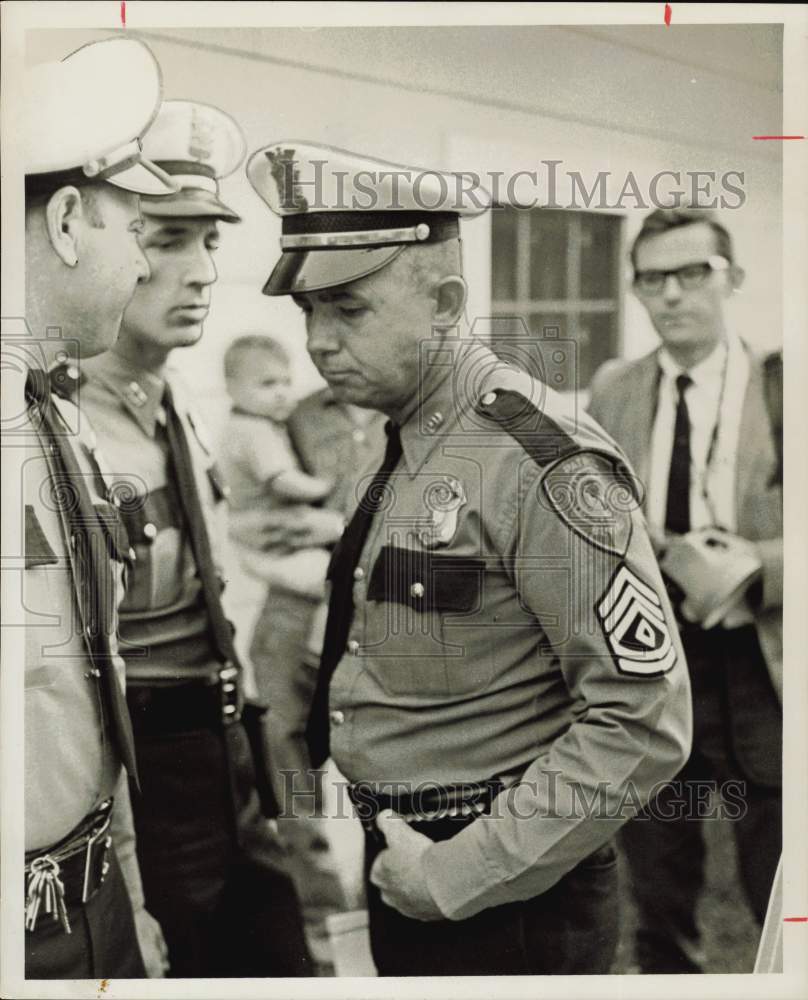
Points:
(65, 379)
(540, 436)
(588, 487)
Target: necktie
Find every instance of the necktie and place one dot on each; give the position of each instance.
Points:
(89, 546)
(341, 606)
(677, 512)
(198, 532)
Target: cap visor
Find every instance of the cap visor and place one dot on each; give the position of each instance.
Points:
(189, 203)
(145, 178)
(312, 270)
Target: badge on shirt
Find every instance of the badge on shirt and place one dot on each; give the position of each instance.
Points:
(633, 622)
(443, 497)
(594, 494)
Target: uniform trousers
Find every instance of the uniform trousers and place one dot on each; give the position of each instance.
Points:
(665, 848)
(210, 870)
(572, 928)
(102, 943)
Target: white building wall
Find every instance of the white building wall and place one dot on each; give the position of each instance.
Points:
(482, 99)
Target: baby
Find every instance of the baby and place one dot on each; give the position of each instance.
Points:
(260, 465)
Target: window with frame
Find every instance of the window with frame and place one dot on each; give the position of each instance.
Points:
(559, 272)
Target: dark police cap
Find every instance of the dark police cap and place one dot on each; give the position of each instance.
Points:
(344, 216)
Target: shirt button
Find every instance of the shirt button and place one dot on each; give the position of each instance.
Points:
(358, 573)
(150, 531)
(434, 421)
(417, 590)
(353, 646)
(336, 717)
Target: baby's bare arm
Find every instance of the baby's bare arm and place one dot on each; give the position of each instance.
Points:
(292, 484)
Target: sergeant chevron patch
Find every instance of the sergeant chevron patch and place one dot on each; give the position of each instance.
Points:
(633, 621)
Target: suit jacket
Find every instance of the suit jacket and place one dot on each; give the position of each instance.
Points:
(623, 400)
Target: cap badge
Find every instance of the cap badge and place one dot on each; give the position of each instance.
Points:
(443, 497)
(200, 146)
(287, 177)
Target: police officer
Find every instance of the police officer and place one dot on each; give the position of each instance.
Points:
(84, 172)
(209, 864)
(501, 681)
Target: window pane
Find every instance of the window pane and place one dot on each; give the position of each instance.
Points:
(503, 253)
(597, 340)
(600, 236)
(548, 254)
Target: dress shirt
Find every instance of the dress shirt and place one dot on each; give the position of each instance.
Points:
(714, 405)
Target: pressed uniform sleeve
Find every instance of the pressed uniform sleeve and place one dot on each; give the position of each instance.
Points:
(603, 617)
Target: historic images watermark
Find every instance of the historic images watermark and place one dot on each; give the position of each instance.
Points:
(319, 185)
(550, 796)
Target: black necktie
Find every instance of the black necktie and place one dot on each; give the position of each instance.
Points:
(198, 532)
(89, 547)
(341, 606)
(677, 512)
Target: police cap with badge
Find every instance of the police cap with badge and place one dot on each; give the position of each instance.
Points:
(345, 216)
(196, 145)
(85, 117)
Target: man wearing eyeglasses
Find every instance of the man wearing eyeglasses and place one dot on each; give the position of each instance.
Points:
(698, 418)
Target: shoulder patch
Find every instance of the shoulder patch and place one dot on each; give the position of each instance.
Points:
(542, 438)
(594, 494)
(634, 625)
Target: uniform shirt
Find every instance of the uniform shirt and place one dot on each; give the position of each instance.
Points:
(493, 638)
(71, 763)
(165, 630)
(69, 768)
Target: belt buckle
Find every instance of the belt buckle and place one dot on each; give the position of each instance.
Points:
(92, 839)
(228, 687)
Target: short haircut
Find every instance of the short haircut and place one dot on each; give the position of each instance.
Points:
(248, 344)
(427, 263)
(662, 220)
(39, 189)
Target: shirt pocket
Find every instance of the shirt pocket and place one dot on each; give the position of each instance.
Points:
(431, 636)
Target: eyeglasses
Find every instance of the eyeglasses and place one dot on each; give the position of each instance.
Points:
(689, 276)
